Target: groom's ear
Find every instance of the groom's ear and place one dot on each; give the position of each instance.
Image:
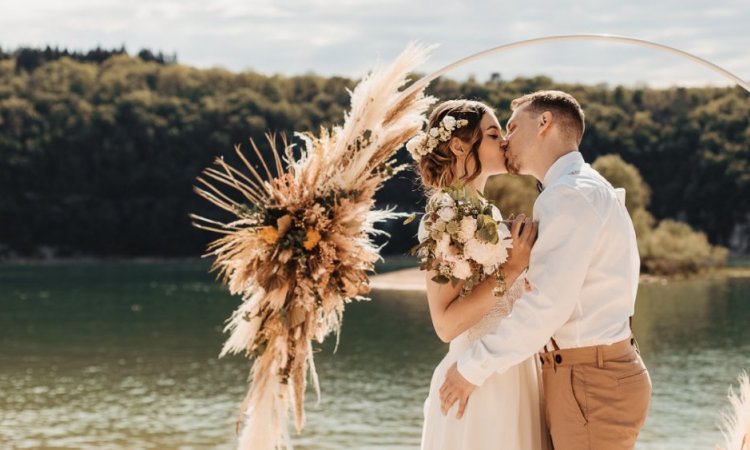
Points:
(545, 122)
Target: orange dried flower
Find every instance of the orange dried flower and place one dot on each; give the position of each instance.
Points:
(311, 239)
(269, 234)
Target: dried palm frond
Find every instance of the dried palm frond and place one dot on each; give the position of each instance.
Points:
(300, 247)
(736, 425)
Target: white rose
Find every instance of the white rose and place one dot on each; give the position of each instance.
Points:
(468, 227)
(439, 225)
(434, 132)
(453, 254)
(442, 244)
(480, 252)
(444, 199)
(500, 252)
(461, 269)
(447, 213)
(449, 122)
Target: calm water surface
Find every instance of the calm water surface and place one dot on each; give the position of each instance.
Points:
(124, 356)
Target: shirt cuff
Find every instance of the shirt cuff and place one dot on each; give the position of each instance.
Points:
(473, 372)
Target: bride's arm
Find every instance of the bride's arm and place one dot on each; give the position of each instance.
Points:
(452, 315)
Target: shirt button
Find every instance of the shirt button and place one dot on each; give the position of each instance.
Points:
(558, 359)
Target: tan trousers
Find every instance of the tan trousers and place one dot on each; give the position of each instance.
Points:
(596, 398)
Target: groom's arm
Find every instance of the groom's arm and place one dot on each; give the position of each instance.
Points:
(568, 230)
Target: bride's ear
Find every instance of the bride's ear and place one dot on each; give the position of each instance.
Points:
(458, 148)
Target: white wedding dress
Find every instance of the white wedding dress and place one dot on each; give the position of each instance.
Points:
(504, 413)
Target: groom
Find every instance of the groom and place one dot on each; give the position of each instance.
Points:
(584, 272)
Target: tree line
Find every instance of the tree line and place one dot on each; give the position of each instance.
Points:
(99, 150)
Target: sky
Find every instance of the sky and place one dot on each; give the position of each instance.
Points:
(292, 37)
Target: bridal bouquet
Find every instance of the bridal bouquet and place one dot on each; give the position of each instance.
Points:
(463, 239)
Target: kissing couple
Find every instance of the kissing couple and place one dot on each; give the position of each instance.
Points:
(554, 357)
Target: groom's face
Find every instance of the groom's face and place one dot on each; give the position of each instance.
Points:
(521, 136)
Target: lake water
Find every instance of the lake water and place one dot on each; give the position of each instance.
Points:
(124, 356)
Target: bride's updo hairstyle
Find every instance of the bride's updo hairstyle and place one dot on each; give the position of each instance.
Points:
(438, 168)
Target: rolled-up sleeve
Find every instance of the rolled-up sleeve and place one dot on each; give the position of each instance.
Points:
(569, 226)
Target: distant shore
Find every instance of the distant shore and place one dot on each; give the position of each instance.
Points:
(102, 259)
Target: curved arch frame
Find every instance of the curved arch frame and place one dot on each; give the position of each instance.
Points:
(578, 37)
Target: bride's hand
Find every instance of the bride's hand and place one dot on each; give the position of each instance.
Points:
(523, 241)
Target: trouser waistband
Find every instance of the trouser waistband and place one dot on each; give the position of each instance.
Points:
(594, 355)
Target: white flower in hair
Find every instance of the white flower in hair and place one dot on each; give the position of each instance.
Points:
(424, 143)
(413, 144)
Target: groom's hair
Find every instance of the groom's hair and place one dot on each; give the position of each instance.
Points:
(565, 109)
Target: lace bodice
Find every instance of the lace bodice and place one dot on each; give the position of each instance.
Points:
(502, 308)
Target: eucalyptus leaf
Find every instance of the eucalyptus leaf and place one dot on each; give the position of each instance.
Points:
(441, 279)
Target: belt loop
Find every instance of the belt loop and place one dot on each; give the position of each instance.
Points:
(557, 349)
(599, 357)
(634, 343)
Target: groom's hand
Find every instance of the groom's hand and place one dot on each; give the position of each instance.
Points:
(455, 389)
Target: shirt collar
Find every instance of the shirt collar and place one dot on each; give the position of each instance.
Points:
(565, 164)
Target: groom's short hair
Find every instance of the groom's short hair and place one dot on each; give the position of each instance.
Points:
(566, 110)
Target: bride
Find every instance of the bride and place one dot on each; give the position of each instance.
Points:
(504, 413)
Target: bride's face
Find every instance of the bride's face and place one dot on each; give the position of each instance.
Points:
(492, 149)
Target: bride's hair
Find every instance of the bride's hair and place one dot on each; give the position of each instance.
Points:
(439, 168)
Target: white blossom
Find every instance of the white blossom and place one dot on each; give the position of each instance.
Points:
(467, 228)
(480, 252)
(444, 199)
(452, 254)
(462, 269)
(447, 213)
(442, 244)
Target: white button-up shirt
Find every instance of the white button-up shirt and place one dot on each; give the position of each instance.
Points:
(584, 271)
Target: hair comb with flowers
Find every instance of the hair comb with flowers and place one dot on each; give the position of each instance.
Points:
(424, 143)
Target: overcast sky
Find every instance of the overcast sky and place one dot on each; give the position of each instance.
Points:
(346, 38)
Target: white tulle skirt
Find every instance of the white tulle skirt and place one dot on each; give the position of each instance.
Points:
(504, 413)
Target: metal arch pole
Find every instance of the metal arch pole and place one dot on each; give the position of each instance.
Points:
(423, 82)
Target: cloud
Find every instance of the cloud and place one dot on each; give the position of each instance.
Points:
(346, 37)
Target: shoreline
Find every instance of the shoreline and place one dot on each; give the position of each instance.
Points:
(412, 279)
